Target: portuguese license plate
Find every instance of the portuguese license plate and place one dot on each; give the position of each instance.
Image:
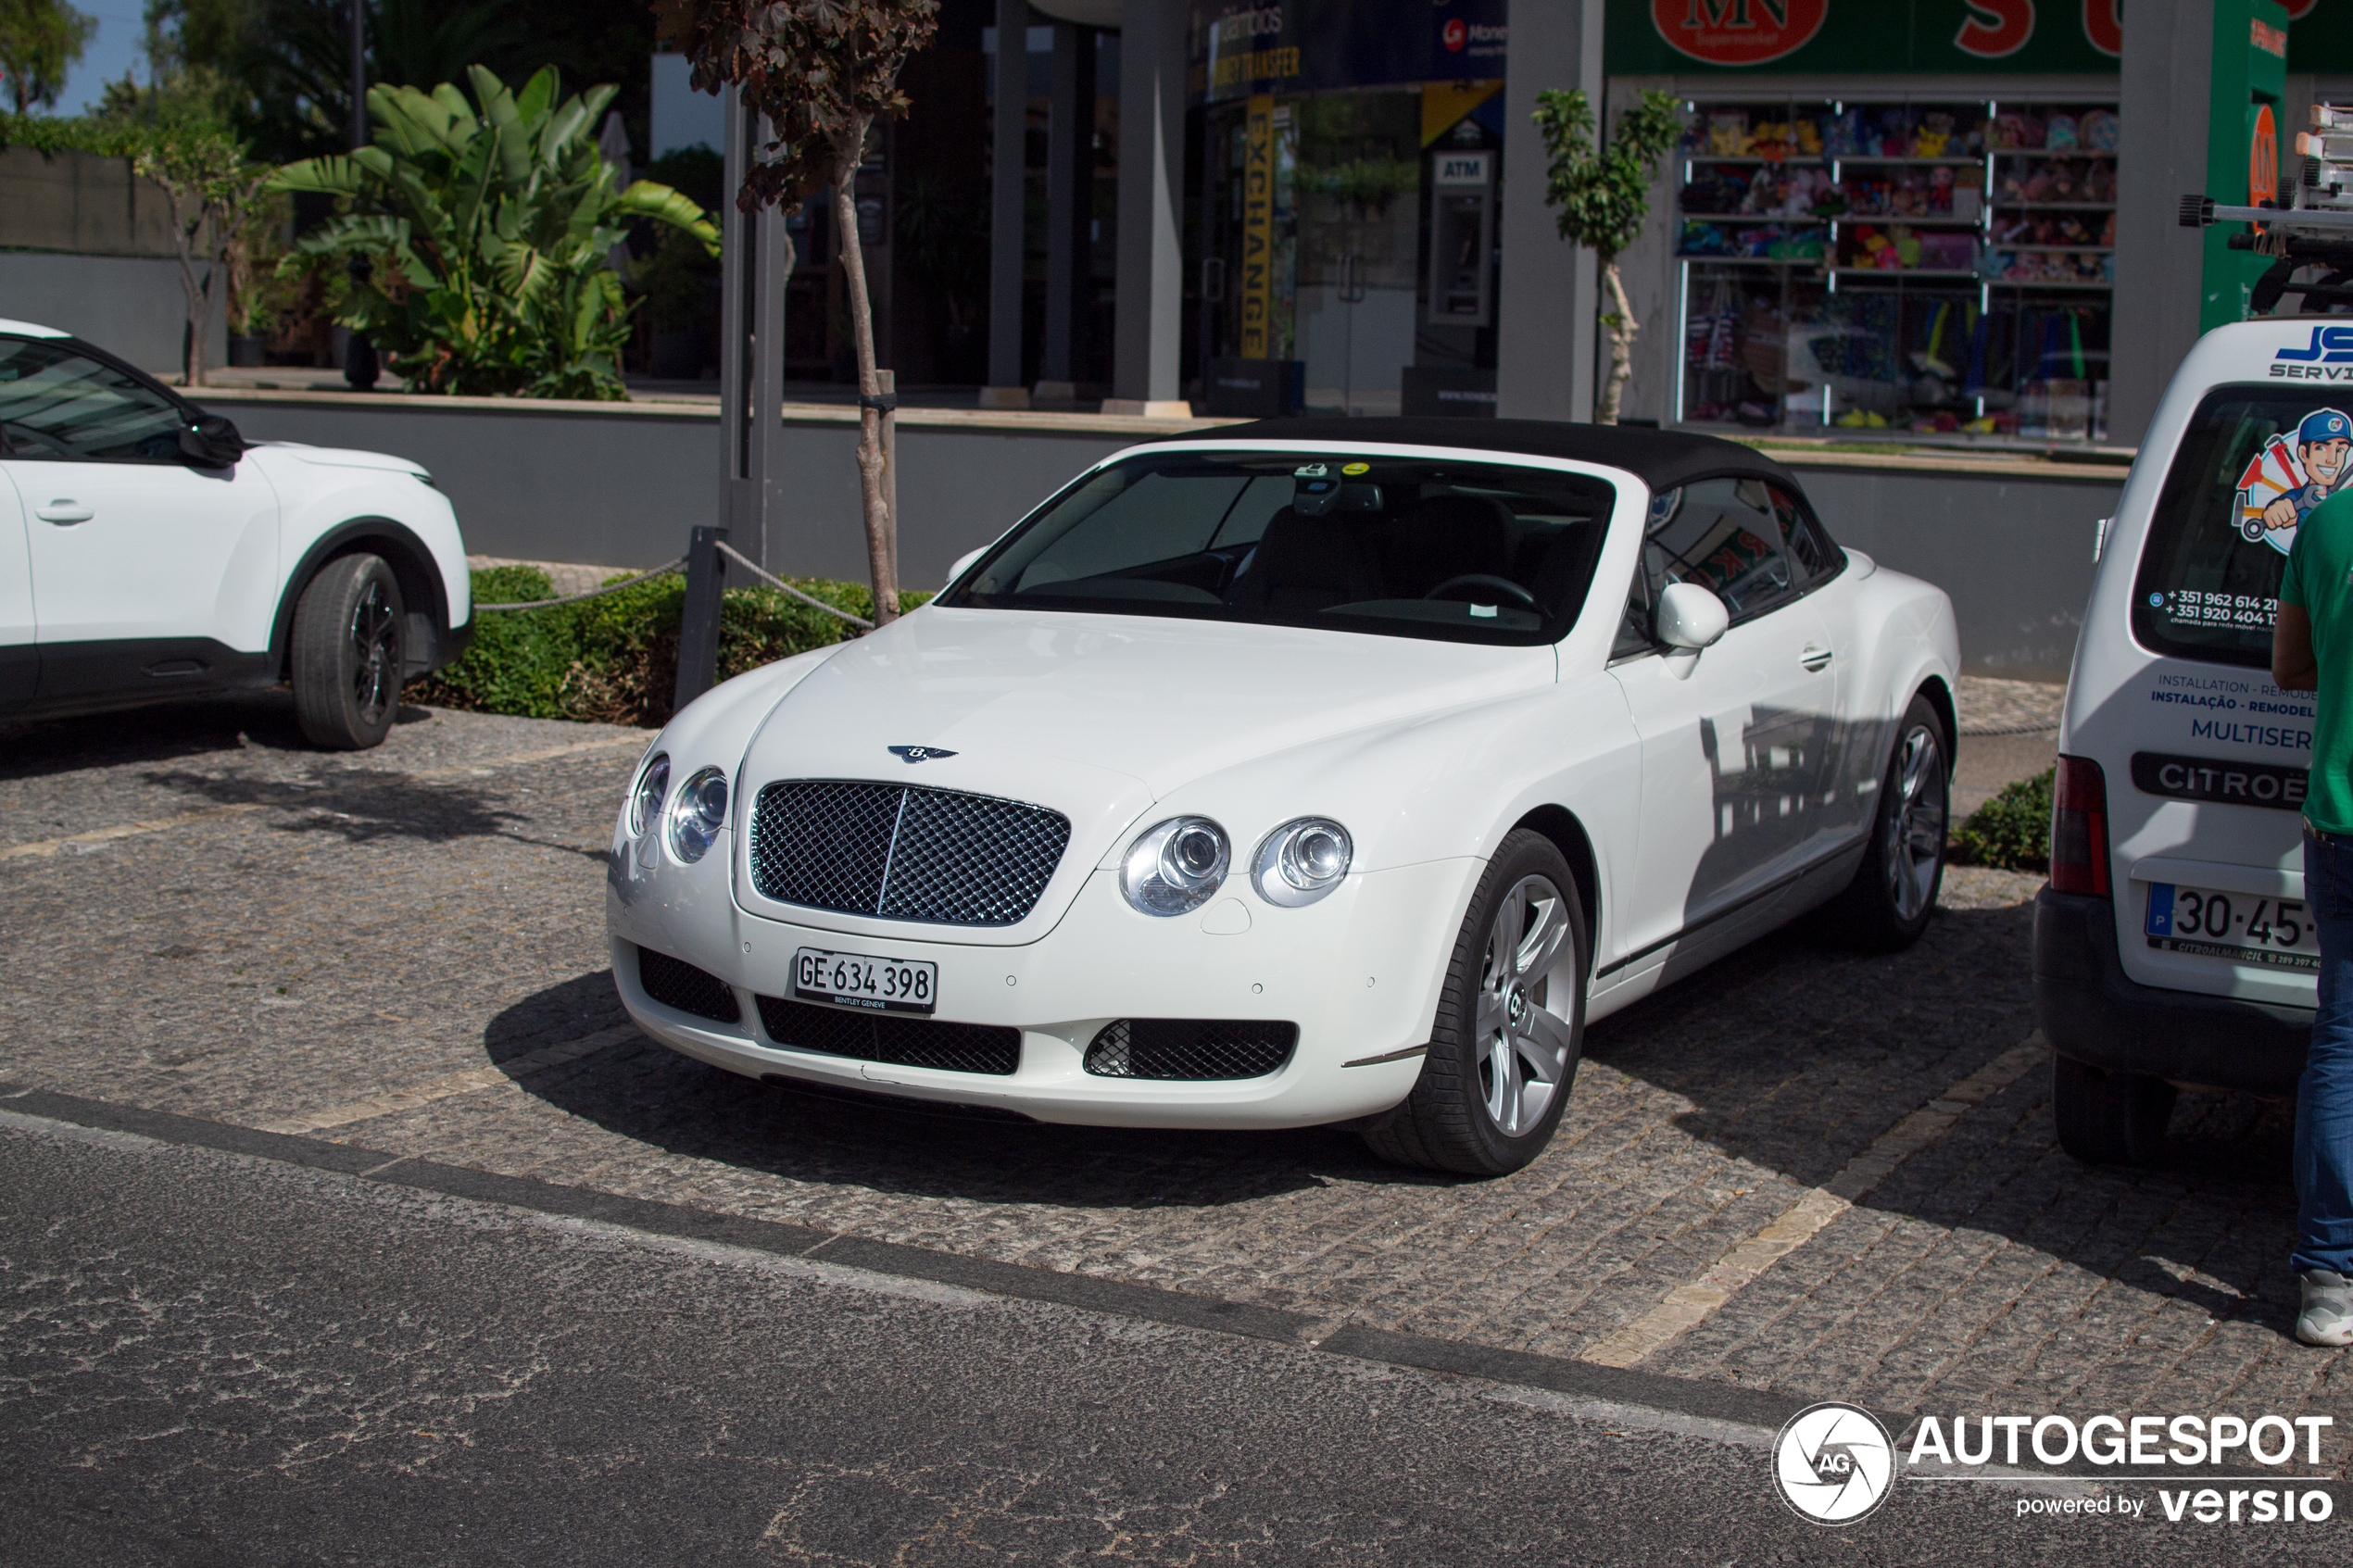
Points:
(2274, 933)
(861, 980)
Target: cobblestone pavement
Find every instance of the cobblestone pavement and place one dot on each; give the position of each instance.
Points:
(1808, 1171)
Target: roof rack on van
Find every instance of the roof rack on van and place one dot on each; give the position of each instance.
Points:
(2312, 229)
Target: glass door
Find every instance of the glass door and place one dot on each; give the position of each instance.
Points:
(1357, 188)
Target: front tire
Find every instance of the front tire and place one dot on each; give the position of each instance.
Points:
(1892, 897)
(2110, 1118)
(1511, 1024)
(348, 654)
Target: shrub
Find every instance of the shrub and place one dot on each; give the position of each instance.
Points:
(2012, 831)
(615, 660)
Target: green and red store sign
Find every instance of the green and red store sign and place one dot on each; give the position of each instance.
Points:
(1877, 37)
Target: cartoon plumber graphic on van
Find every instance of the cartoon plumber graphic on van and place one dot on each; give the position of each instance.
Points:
(2290, 476)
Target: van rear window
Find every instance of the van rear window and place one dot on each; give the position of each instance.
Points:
(2253, 461)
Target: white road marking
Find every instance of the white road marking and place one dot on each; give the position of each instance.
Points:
(1690, 1303)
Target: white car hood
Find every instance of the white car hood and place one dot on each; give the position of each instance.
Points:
(337, 457)
(1099, 715)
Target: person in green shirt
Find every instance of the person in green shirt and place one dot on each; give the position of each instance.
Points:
(2312, 651)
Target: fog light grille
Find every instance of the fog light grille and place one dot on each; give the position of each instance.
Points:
(677, 984)
(1196, 1049)
(891, 1038)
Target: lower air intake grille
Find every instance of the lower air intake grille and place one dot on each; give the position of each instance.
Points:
(677, 984)
(1195, 1048)
(882, 1036)
(903, 852)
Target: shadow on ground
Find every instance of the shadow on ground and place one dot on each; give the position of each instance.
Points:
(1789, 1056)
(163, 733)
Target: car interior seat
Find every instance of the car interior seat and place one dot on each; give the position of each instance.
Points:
(1304, 564)
(1440, 537)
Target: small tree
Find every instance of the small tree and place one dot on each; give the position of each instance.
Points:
(214, 194)
(1602, 195)
(38, 40)
(821, 71)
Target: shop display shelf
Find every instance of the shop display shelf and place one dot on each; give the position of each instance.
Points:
(2049, 283)
(2049, 250)
(1904, 272)
(1752, 218)
(1955, 160)
(2051, 152)
(2053, 206)
(1811, 160)
(1702, 260)
(1918, 220)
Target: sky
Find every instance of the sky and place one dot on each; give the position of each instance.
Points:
(114, 50)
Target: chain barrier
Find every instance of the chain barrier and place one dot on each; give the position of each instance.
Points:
(593, 593)
(736, 556)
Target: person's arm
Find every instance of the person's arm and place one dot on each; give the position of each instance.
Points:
(2294, 667)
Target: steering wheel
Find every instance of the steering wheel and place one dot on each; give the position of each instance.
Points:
(1503, 585)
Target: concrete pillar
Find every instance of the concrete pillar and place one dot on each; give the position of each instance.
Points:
(1548, 301)
(1152, 182)
(1070, 201)
(1009, 159)
(2164, 91)
(751, 353)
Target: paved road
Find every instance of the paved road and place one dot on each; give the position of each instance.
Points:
(1805, 1172)
(217, 1360)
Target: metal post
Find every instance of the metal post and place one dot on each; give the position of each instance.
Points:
(751, 351)
(699, 627)
(1070, 207)
(1008, 158)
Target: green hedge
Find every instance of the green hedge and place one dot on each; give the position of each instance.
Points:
(615, 660)
(2012, 831)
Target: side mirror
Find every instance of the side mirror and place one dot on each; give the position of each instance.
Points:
(1689, 617)
(965, 562)
(211, 441)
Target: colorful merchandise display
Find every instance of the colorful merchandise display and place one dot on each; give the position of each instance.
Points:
(1936, 268)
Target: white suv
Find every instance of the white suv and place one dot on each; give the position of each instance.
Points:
(147, 551)
(2172, 947)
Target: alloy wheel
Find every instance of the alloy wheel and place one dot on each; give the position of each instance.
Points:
(1912, 826)
(376, 652)
(1524, 1045)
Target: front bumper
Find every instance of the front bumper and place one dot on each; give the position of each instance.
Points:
(1358, 973)
(2092, 1012)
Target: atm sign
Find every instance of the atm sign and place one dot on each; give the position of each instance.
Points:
(1460, 169)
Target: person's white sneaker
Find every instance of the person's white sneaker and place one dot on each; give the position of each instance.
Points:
(2327, 1317)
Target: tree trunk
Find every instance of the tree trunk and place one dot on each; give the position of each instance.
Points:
(183, 235)
(882, 529)
(1619, 320)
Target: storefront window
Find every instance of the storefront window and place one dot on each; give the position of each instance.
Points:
(1931, 267)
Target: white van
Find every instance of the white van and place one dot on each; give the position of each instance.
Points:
(2171, 948)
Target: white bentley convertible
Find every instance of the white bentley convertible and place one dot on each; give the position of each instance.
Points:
(1296, 774)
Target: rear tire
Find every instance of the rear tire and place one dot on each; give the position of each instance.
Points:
(2110, 1118)
(348, 654)
(1511, 1024)
(1892, 897)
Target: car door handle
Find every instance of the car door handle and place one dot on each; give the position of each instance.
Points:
(65, 510)
(1815, 658)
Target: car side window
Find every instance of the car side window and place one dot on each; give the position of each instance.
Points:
(61, 406)
(1809, 550)
(1721, 534)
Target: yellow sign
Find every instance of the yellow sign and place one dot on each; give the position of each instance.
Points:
(1258, 227)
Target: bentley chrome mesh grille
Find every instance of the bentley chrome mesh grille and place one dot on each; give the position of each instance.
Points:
(884, 1036)
(940, 856)
(1195, 1048)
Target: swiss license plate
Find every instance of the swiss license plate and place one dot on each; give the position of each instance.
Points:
(861, 980)
(2274, 933)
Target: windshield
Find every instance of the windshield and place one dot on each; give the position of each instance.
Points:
(2253, 462)
(1399, 547)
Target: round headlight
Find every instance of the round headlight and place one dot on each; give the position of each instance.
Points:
(645, 805)
(698, 814)
(1176, 866)
(1300, 862)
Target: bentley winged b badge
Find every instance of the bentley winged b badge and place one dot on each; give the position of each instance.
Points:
(919, 753)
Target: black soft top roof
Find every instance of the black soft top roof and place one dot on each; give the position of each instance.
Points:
(1661, 458)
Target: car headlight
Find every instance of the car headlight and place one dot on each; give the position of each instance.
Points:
(1176, 866)
(698, 814)
(1300, 862)
(645, 805)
